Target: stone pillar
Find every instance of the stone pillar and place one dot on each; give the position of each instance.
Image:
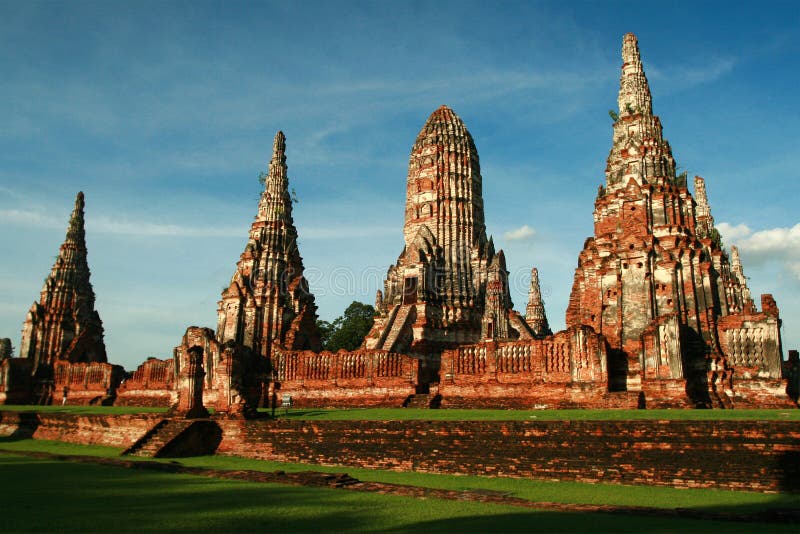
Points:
(190, 392)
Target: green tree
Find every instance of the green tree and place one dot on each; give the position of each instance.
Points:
(6, 349)
(347, 331)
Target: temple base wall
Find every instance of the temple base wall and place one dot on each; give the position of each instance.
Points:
(759, 456)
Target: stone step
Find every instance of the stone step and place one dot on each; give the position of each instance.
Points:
(158, 437)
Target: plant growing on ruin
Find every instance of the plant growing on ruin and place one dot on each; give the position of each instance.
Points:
(613, 114)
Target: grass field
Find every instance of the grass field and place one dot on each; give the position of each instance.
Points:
(401, 414)
(533, 490)
(51, 495)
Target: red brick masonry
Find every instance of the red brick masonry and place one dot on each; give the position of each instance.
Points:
(740, 455)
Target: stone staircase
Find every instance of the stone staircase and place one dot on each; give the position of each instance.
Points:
(158, 437)
(422, 400)
(401, 318)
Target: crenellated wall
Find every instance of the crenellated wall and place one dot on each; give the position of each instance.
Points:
(559, 371)
(358, 378)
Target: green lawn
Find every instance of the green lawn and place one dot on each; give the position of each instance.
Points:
(533, 490)
(51, 495)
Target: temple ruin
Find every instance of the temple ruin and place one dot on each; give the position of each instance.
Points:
(656, 282)
(449, 287)
(62, 357)
(660, 314)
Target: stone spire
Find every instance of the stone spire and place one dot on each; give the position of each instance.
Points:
(654, 279)
(268, 300)
(639, 152)
(738, 273)
(64, 325)
(534, 313)
(704, 221)
(634, 91)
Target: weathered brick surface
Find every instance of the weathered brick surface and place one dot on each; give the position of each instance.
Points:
(757, 456)
(152, 384)
(655, 280)
(113, 431)
(359, 378)
(449, 286)
(63, 324)
(268, 300)
(740, 455)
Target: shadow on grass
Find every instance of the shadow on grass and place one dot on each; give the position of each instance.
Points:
(51, 495)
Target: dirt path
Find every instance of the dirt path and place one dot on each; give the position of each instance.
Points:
(346, 482)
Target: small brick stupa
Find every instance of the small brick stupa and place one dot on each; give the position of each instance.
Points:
(535, 315)
(655, 280)
(63, 325)
(268, 300)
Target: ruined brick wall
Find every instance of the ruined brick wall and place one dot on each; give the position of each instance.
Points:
(110, 430)
(743, 455)
(564, 370)
(737, 455)
(84, 383)
(152, 384)
(358, 378)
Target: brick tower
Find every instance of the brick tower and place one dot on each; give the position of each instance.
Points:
(64, 325)
(268, 300)
(654, 279)
(448, 286)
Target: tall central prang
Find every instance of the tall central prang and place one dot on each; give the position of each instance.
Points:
(448, 287)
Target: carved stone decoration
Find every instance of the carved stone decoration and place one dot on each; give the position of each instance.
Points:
(268, 301)
(63, 324)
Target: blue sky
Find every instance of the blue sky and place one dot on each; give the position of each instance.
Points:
(163, 113)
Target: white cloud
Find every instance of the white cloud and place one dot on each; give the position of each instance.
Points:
(772, 244)
(773, 240)
(523, 233)
(733, 233)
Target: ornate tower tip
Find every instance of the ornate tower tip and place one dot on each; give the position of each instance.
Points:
(630, 49)
(279, 145)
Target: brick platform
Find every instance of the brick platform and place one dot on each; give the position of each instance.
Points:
(759, 456)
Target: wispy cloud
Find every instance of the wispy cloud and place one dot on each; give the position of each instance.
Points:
(678, 77)
(120, 226)
(131, 227)
(523, 233)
